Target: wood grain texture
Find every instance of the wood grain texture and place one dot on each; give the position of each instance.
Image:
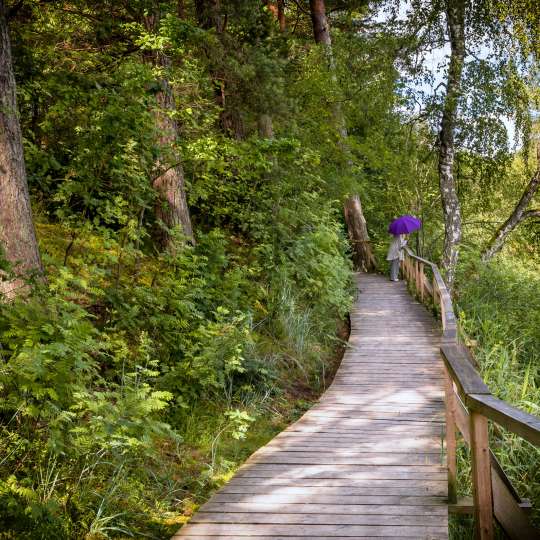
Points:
(368, 460)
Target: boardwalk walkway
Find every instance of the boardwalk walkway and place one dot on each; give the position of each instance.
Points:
(366, 461)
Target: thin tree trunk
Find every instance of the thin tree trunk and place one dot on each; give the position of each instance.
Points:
(363, 257)
(17, 233)
(519, 214)
(171, 206)
(266, 129)
(281, 15)
(277, 7)
(455, 17)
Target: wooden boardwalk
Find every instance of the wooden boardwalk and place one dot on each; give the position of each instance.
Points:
(367, 460)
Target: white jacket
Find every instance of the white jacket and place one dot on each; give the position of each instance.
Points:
(395, 250)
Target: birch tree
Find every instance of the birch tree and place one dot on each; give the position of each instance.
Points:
(455, 20)
(518, 215)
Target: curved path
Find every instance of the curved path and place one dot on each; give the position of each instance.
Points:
(367, 461)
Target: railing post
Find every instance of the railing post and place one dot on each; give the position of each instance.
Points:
(408, 266)
(443, 311)
(421, 280)
(481, 477)
(450, 409)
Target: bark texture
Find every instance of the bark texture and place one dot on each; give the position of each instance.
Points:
(363, 257)
(171, 206)
(17, 233)
(281, 15)
(354, 217)
(519, 214)
(321, 28)
(455, 18)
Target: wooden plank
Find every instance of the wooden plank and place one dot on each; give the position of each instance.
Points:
(508, 512)
(353, 472)
(523, 424)
(373, 458)
(321, 498)
(461, 416)
(337, 482)
(310, 508)
(348, 447)
(311, 531)
(434, 488)
(315, 519)
(462, 371)
(189, 536)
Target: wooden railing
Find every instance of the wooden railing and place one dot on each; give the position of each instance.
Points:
(469, 407)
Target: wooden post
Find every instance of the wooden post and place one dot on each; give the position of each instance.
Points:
(443, 313)
(450, 410)
(421, 280)
(481, 477)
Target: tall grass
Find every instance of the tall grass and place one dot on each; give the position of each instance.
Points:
(499, 314)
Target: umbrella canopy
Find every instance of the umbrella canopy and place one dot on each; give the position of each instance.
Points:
(404, 225)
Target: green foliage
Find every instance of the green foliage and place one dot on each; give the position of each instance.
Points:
(499, 306)
(134, 381)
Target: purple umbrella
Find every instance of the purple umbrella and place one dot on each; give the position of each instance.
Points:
(404, 225)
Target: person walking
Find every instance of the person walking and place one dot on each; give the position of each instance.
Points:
(395, 255)
(400, 228)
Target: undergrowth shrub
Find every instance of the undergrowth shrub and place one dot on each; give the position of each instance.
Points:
(128, 378)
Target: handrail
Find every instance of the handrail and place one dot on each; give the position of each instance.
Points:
(447, 310)
(469, 406)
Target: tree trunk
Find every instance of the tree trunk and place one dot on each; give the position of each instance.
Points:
(266, 129)
(517, 216)
(354, 218)
(455, 17)
(362, 255)
(277, 7)
(17, 233)
(321, 28)
(171, 206)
